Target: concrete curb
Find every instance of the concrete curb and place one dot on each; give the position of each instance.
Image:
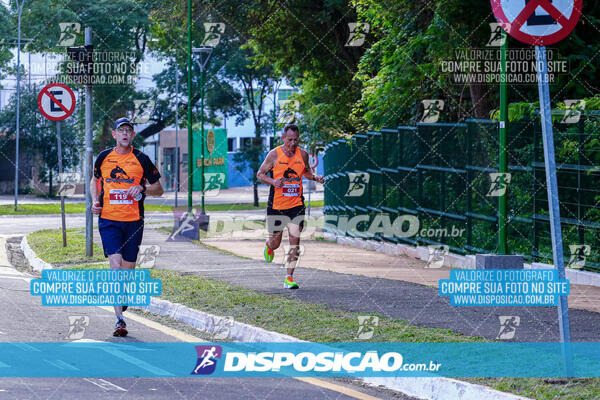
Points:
(36, 263)
(452, 260)
(424, 388)
(214, 325)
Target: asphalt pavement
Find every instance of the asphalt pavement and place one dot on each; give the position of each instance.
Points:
(26, 320)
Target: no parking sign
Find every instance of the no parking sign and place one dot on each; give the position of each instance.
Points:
(542, 23)
(56, 101)
(537, 22)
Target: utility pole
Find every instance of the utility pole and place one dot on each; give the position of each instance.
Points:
(19, 10)
(60, 178)
(87, 162)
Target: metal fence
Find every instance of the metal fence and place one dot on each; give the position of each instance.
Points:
(445, 176)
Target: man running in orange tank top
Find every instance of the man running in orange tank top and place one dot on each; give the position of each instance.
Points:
(286, 165)
(123, 177)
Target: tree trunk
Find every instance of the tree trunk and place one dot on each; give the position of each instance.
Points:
(480, 101)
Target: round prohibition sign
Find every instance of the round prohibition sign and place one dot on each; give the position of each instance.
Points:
(56, 101)
(520, 20)
(313, 160)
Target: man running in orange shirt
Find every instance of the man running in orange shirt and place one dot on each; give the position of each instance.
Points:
(286, 164)
(118, 190)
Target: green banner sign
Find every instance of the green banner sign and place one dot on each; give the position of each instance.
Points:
(215, 160)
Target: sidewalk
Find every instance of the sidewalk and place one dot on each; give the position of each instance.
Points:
(357, 280)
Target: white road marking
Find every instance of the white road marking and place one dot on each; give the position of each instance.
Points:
(104, 384)
(9, 271)
(16, 277)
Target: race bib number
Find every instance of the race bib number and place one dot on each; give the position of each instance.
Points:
(119, 196)
(291, 189)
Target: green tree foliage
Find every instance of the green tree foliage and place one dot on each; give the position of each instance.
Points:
(117, 26)
(402, 67)
(306, 41)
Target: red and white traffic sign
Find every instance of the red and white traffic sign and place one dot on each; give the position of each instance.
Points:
(538, 22)
(56, 101)
(313, 160)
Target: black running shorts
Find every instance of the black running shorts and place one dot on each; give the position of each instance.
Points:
(277, 220)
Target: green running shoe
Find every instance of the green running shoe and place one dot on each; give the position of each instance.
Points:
(290, 283)
(269, 254)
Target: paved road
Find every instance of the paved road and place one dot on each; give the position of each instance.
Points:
(419, 305)
(24, 319)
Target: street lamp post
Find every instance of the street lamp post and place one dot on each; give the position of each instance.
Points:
(189, 110)
(204, 56)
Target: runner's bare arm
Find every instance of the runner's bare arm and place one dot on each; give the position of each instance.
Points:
(94, 193)
(267, 166)
(155, 189)
(308, 172)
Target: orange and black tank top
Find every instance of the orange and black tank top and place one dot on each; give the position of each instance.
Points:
(290, 169)
(115, 174)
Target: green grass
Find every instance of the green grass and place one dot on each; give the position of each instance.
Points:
(79, 208)
(278, 313)
(54, 208)
(47, 244)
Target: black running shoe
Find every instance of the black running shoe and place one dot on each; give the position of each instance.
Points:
(124, 308)
(120, 328)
